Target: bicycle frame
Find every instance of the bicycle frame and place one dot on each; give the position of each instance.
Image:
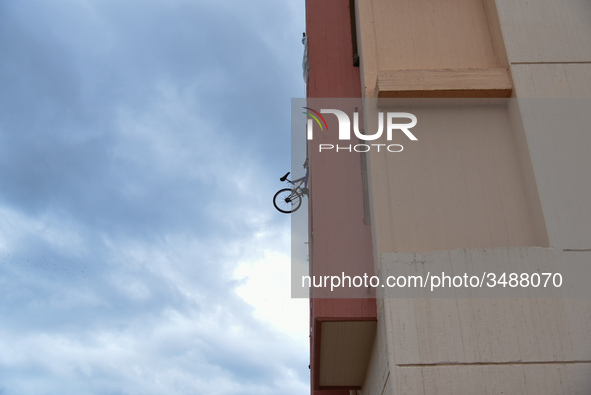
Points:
(297, 184)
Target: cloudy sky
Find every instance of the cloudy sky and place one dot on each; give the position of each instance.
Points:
(141, 142)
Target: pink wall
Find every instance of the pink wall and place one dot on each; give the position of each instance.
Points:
(339, 238)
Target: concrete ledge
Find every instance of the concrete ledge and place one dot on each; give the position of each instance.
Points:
(343, 353)
(466, 83)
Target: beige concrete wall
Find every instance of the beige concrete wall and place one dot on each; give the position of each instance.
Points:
(549, 48)
(466, 182)
(553, 324)
(563, 80)
(377, 377)
(559, 140)
(460, 185)
(545, 31)
(469, 345)
(426, 35)
(510, 379)
(453, 190)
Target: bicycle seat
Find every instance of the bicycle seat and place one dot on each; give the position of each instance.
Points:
(285, 176)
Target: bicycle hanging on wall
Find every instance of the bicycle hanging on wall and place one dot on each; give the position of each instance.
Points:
(288, 200)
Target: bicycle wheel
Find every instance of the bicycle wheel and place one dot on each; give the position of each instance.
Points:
(287, 201)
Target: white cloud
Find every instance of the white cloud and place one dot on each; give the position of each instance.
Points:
(266, 286)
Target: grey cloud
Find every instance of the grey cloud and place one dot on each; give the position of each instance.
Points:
(139, 146)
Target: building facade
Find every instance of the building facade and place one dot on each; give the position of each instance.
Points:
(499, 181)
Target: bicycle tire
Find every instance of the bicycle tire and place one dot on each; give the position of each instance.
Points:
(287, 200)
